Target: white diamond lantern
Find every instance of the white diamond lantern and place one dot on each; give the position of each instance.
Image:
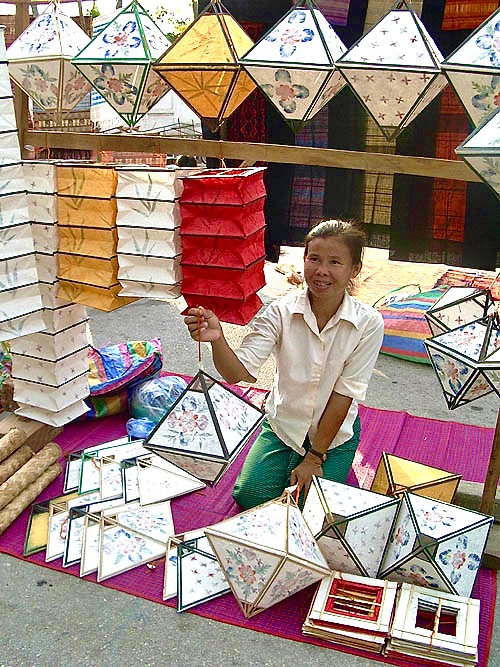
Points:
(267, 554)
(473, 69)
(118, 63)
(294, 63)
(467, 360)
(351, 525)
(394, 70)
(481, 151)
(436, 545)
(458, 306)
(40, 61)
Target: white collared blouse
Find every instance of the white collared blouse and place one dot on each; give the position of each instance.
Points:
(311, 364)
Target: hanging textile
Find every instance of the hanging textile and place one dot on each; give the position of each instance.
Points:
(466, 14)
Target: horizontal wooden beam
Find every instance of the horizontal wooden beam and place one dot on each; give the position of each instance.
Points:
(251, 152)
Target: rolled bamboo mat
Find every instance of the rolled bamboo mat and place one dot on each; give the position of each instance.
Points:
(29, 473)
(15, 461)
(11, 441)
(11, 511)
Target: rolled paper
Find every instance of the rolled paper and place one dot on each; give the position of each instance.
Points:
(11, 511)
(12, 463)
(11, 441)
(29, 473)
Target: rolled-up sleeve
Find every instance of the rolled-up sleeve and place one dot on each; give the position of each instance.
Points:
(261, 341)
(358, 368)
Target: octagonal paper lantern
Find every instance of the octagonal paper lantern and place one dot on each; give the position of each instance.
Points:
(40, 61)
(436, 545)
(481, 151)
(267, 554)
(467, 360)
(394, 70)
(351, 525)
(458, 306)
(473, 70)
(294, 63)
(203, 65)
(117, 62)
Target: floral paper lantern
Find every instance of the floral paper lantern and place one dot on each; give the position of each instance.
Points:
(118, 63)
(481, 151)
(458, 306)
(205, 429)
(203, 65)
(267, 554)
(394, 70)
(473, 70)
(40, 61)
(467, 360)
(294, 63)
(436, 545)
(342, 519)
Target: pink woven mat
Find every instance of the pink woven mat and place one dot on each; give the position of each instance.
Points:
(451, 446)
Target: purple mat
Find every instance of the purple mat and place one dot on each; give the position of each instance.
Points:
(382, 430)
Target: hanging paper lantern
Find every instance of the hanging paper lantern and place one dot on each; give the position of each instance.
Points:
(436, 545)
(458, 306)
(202, 66)
(436, 626)
(40, 61)
(352, 610)
(87, 254)
(342, 519)
(473, 70)
(117, 62)
(222, 233)
(267, 554)
(482, 153)
(467, 360)
(294, 63)
(395, 475)
(205, 429)
(394, 70)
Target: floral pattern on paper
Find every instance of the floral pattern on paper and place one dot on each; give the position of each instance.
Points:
(300, 539)
(459, 558)
(490, 42)
(153, 522)
(247, 570)
(435, 517)
(453, 373)
(487, 97)
(286, 92)
(120, 547)
(400, 537)
(75, 88)
(40, 85)
(122, 40)
(293, 35)
(289, 581)
(417, 575)
(115, 87)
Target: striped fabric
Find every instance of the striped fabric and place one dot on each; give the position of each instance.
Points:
(466, 14)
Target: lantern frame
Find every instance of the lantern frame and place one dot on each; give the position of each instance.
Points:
(452, 299)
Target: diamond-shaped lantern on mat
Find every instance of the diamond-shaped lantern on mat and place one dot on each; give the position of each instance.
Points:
(118, 63)
(351, 525)
(267, 554)
(205, 429)
(394, 69)
(473, 69)
(467, 360)
(481, 151)
(202, 66)
(458, 306)
(436, 545)
(40, 61)
(395, 475)
(294, 63)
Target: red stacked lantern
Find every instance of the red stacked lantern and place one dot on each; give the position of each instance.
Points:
(223, 250)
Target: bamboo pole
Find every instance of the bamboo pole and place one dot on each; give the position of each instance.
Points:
(492, 474)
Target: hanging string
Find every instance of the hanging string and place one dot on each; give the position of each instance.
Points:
(198, 321)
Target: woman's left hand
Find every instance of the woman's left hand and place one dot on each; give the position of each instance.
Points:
(303, 473)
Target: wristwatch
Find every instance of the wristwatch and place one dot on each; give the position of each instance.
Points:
(319, 455)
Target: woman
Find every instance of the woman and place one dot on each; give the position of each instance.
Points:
(326, 344)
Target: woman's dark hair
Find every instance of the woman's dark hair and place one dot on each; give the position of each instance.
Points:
(186, 161)
(348, 232)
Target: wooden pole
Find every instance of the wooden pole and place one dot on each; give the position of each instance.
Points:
(493, 473)
(22, 21)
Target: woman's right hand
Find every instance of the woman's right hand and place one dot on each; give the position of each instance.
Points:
(203, 325)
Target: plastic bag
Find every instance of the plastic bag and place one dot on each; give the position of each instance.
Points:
(153, 398)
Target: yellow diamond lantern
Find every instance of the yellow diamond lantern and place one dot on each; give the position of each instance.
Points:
(203, 66)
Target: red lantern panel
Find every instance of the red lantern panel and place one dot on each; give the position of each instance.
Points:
(233, 311)
(225, 186)
(218, 251)
(224, 220)
(224, 283)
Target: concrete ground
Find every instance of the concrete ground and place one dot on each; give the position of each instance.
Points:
(48, 619)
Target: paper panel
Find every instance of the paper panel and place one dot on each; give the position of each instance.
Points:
(170, 577)
(87, 241)
(18, 272)
(149, 242)
(13, 209)
(59, 418)
(163, 270)
(148, 184)
(45, 237)
(477, 92)
(90, 546)
(221, 252)
(118, 450)
(130, 481)
(72, 472)
(5, 89)
(102, 298)
(42, 208)
(419, 572)
(9, 146)
(199, 574)
(222, 220)
(46, 266)
(223, 283)
(234, 311)
(154, 521)
(208, 471)
(301, 542)
(51, 347)
(21, 326)
(401, 540)
(19, 301)
(58, 531)
(53, 399)
(37, 530)
(86, 181)
(438, 519)
(148, 214)
(336, 554)
(367, 536)
(122, 550)
(40, 176)
(88, 270)
(12, 179)
(290, 579)
(264, 526)
(488, 168)
(86, 212)
(53, 373)
(110, 479)
(64, 317)
(15, 241)
(74, 542)
(225, 186)
(149, 290)
(156, 484)
(7, 116)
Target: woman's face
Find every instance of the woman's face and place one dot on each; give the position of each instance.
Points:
(328, 267)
